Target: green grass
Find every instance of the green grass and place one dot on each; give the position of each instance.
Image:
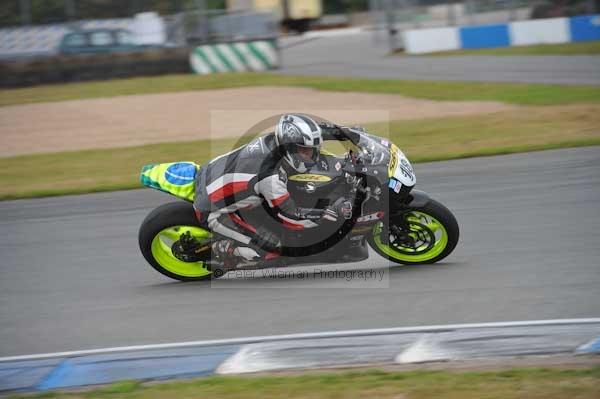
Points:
(516, 93)
(534, 383)
(88, 171)
(523, 129)
(582, 48)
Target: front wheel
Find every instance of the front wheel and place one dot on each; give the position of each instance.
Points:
(161, 231)
(421, 235)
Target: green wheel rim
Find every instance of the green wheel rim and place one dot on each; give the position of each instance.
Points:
(432, 249)
(161, 250)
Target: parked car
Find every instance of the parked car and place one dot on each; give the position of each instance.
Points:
(98, 41)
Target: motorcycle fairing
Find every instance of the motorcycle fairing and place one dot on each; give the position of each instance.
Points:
(175, 178)
(399, 167)
(380, 151)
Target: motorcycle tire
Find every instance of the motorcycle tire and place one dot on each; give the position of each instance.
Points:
(161, 229)
(433, 234)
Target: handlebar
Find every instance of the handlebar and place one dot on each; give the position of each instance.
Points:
(338, 133)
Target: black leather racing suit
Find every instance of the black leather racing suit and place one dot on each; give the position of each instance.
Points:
(243, 179)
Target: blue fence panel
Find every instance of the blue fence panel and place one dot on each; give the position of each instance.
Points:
(585, 28)
(484, 36)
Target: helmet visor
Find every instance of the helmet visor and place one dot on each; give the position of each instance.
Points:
(306, 154)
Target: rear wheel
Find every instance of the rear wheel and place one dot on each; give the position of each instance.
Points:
(421, 235)
(159, 238)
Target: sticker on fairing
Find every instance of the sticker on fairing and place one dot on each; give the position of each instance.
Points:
(370, 217)
(400, 168)
(395, 185)
(177, 178)
(309, 177)
(181, 173)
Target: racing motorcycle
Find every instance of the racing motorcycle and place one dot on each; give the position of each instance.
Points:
(398, 222)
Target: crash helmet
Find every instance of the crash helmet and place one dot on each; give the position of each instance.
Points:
(299, 140)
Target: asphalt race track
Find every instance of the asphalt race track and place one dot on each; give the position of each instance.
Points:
(72, 276)
(361, 55)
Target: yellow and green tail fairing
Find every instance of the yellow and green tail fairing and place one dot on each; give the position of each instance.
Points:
(176, 178)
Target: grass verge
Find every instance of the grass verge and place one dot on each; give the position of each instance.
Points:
(520, 130)
(582, 48)
(516, 93)
(513, 383)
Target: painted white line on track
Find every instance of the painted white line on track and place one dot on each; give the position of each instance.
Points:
(287, 337)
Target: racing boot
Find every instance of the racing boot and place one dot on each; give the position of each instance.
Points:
(222, 253)
(225, 252)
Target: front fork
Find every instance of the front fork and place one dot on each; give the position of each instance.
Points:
(398, 205)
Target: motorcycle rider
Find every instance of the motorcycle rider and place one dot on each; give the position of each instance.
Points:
(257, 172)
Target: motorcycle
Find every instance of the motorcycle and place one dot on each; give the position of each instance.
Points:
(398, 222)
